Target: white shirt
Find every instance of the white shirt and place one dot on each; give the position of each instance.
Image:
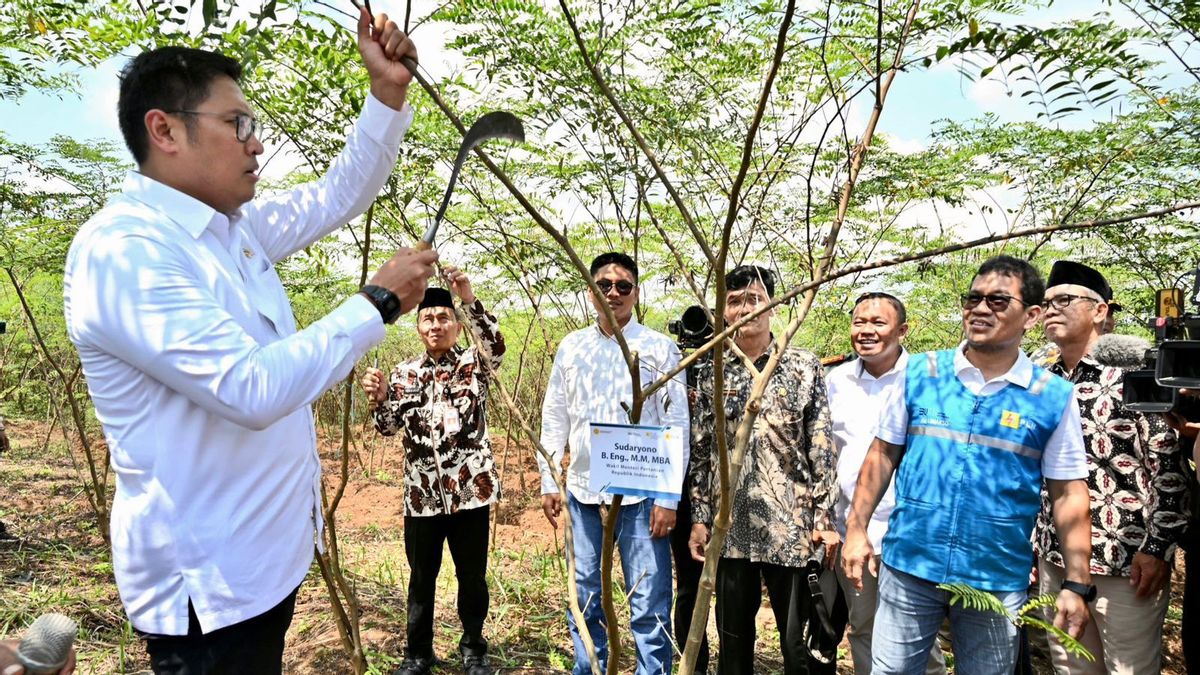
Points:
(856, 399)
(589, 382)
(1063, 458)
(204, 387)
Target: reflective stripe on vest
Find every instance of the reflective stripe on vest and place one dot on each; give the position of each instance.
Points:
(977, 439)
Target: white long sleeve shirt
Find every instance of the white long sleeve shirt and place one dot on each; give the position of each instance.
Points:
(204, 387)
(589, 382)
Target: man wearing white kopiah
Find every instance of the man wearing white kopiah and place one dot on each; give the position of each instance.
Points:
(857, 393)
(590, 382)
(198, 374)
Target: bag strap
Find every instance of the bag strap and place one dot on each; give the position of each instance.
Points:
(820, 611)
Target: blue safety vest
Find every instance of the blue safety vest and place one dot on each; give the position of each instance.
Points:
(968, 489)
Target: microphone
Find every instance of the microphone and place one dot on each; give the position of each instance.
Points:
(1122, 351)
(47, 644)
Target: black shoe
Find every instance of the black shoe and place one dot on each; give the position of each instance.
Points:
(477, 664)
(415, 665)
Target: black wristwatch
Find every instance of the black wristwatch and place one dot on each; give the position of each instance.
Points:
(1085, 591)
(384, 300)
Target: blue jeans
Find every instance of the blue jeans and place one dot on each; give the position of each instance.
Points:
(907, 619)
(646, 563)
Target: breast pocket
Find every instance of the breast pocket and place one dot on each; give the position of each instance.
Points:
(264, 285)
(735, 404)
(782, 406)
(411, 402)
(464, 394)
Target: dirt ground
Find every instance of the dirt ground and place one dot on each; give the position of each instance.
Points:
(56, 560)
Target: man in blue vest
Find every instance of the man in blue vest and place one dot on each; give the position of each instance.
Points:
(974, 431)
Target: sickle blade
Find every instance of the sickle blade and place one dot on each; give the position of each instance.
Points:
(496, 124)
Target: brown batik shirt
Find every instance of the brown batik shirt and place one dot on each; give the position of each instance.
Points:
(440, 405)
(1135, 476)
(788, 483)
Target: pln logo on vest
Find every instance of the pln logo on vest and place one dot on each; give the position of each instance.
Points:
(1010, 419)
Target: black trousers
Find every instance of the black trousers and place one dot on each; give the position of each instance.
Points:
(739, 596)
(687, 579)
(467, 533)
(1190, 635)
(253, 647)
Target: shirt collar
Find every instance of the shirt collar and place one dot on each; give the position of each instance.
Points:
(732, 356)
(628, 330)
(1059, 367)
(189, 213)
(1020, 374)
(449, 357)
(860, 370)
(1088, 359)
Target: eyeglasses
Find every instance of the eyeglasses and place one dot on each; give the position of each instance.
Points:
(997, 302)
(1063, 300)
(623, 287)
(247, 125)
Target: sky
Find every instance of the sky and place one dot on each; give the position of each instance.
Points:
(917, 102)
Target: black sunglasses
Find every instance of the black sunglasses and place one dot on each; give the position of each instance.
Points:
(997, 302)
(623, 287)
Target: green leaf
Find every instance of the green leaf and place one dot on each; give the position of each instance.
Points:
(1073, 646)
(973, 598)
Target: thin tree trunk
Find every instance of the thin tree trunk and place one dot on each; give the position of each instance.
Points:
(343, 599)
(97, 492)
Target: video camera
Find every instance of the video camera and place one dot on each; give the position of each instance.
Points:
(1174, 362)
(692, 329)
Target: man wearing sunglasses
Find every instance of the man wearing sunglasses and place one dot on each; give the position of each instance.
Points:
(970, 434)
(590, 382)
(199, 376)
(1135, 478)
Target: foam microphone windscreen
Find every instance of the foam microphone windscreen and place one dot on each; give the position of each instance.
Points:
(1122, 351)
(47, 644)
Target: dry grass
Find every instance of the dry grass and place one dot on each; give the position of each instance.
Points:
(59, 563)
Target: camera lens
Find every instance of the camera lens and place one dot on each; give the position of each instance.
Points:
(1179, 364)
(1143, 394)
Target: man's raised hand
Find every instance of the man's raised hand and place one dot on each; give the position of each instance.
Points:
(382, 46)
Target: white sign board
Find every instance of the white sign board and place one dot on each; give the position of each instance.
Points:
(635, 460)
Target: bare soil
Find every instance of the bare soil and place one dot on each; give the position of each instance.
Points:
(58, 561)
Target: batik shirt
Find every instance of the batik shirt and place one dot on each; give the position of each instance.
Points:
(788, 483)
(1135, 476)
(440, 405)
